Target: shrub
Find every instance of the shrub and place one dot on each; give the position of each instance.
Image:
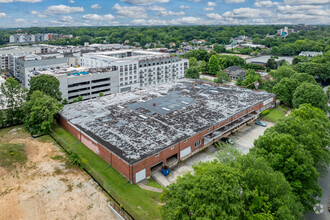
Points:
(265, 112)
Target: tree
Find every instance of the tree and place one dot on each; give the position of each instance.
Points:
(239, 80)
(221, 77)
(78, 99)
(275, 50)
(39, 112)
(251, 77)
(286, 155)
(203, 67)
(214, 191)
(267, 194)
(65, 102)
(12, 100)
(284, 90)
(303, 77)
(219, 49)
(101, 94)
(271, 63)
(192, 73)
(47, 84)
(299, 59)
(214, 66)
(312, 94)
(193, 62)
(309, 126)
(282, 72)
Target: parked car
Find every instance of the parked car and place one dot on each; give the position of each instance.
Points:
(261, 123)
(228, 140)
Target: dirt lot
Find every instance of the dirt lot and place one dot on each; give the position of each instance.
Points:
(44, 187)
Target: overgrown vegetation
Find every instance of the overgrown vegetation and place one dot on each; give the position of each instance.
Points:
(140, 203)
(11, 155)
(277, 179)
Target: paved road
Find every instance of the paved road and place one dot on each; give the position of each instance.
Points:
(324, 214)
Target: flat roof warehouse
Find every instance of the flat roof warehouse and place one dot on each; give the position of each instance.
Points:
(135, 125)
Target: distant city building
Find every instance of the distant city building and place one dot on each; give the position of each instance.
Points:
(33, 38)
(285, 31)
(310, 53)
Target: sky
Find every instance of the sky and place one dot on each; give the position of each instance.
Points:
(27, 13)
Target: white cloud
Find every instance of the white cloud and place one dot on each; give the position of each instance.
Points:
(97, 17)
(301, 18)
(209, 9)
(234, 1)
(302, 9)
(211, 4)
(71, 1)
(62, 9)
(3, 15)
(157, 8)
(95, 6)
(38, 14)
(26, 1)
(21, 20)
(144, 2)
(266, 4)
(306, 2)
(66, 19)
(259, 20)
(93, 17)
(244, 13)
(130, 11)
(184, 7)
(214, 16)
(171, 13)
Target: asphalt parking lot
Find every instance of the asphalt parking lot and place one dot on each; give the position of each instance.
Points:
(243, 141)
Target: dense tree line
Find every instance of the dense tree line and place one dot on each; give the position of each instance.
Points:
(277, 179)
(318, 39)
(35, 108)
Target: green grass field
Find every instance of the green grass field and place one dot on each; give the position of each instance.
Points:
(153, 183)
(140, 203)
(273, 116)
(12, 154)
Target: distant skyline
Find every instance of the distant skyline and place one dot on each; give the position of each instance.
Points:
(27, 13)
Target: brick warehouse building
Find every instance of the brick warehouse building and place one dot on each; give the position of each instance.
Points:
(139, 130)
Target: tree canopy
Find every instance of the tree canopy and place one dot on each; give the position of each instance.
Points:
(47, 84)
(39, 112)
(312, 94)
(11, 101)
(214, 66)
(192, 73)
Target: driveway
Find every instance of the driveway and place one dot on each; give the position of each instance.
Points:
(243, 141)
(321, 209)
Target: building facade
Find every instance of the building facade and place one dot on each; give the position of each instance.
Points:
(80, 81)
(138, 68)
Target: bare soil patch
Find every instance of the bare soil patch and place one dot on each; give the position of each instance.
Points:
(44, 187)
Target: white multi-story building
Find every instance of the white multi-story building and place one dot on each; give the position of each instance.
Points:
(24, 64)
(33, 38)
(285, 31)
(81, 81)
(138, 68)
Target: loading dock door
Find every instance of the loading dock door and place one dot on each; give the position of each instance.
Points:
(141, 175)
(185, 152)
